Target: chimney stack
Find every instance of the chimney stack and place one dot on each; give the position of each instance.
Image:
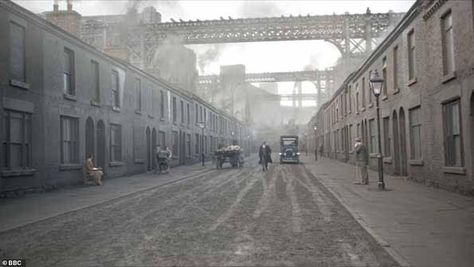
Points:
(69, 5)
(56, 6)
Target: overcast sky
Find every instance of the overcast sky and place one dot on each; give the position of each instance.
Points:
(258, 57)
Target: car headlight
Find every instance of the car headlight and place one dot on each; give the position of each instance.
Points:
(280, 153)
(298, 153)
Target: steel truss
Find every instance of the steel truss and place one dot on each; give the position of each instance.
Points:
(350, 33)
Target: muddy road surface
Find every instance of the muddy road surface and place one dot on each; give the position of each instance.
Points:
(229, 217)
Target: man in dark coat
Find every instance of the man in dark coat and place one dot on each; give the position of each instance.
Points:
(265, 155)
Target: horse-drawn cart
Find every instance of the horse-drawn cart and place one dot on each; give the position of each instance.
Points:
(231, 154)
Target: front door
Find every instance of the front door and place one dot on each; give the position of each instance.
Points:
(90, 138)
(153, 147)
(396, 144)
(101, 147)
(472, 133)
(403, 144)
(148, 148)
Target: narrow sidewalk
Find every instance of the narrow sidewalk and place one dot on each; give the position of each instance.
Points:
(15, 212)
(423, 226)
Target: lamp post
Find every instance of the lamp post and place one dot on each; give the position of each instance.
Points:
(315, 128)
(306, 143)
(201, 125)
(376, 83)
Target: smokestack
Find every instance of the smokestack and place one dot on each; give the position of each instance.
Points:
(69, 5)
(56, 6)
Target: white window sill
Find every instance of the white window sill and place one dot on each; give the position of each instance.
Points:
(70, 166)
(69, 97)
(455, 170)
(19, 84)
(411, 82)
(416, 162)
(116, 109)
(95, 103)
(448, 77)
(19, 172)
(116, 164)
(387, 160)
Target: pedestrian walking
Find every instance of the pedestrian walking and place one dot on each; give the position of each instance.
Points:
(362, 160)
(265, 154)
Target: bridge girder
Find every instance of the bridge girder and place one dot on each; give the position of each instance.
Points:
(351, 33)
(291, 76)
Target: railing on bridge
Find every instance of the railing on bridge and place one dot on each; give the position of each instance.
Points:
(351, 33)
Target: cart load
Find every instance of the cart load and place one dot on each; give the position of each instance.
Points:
(232, 154)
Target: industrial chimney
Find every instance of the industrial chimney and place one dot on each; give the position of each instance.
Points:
(69, 5)
(56, 6)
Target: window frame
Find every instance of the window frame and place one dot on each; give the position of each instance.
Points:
(74, 142)
(446, 118)
(412, 125)
(139, 93)
(13, 76)
(387, 137)
(411, 47)
(444, 40)
(115, 89)
(69, 74)
(95, 81)
(113, 145)
(25, 143)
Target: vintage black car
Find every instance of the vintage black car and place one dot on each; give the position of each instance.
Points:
(289, 149)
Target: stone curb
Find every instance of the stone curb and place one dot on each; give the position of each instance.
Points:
(128, 194)
(382, 242)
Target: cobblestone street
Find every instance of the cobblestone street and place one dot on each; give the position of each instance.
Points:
(222, 217)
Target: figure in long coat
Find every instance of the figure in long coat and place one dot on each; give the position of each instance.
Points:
(362, 160)
(265, 154)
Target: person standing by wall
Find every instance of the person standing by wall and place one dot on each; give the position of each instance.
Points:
(362, 160)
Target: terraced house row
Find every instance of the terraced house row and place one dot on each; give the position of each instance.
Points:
(62, 99)
(426, 104)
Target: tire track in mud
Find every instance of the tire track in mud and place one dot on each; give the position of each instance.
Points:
(233, 217)
(130, 218)
(296, 219)
(323, 202)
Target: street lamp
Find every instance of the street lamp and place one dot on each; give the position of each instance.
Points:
(202, 125)
(315, 128)
(376, 84)
(306, 143)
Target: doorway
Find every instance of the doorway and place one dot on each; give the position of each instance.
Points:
(148, 148)
(472, 133)
(396, 144)
(153, 147)
(101, 147)
(90, 138)
(403, 144)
